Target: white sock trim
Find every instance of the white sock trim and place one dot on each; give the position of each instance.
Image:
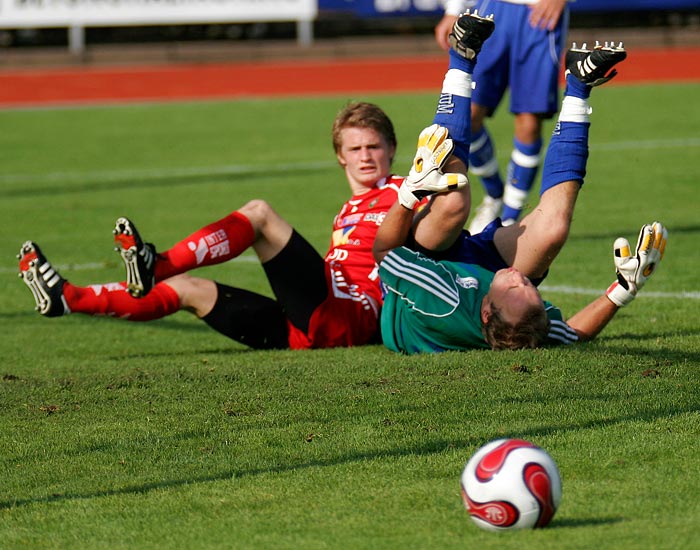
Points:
(526, 161)
(514, 197)
(457, 82)
(479, 143)
(574, 109)
(487, 169)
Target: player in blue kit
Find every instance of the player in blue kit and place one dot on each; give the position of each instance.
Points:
(481, 292)
(524, 57)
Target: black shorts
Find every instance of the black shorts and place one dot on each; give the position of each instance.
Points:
(298, 281)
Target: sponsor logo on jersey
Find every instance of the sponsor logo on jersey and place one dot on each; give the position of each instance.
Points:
(337, 255)
(342, 236)
(350, 291)
(376, 217)
(467, 282)
(352, 219)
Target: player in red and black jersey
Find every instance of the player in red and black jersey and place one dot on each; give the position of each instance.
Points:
(320, 301)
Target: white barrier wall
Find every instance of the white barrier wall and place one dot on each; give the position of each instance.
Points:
(78, 14)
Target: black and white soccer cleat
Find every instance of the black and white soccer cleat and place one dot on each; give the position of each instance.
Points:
(139, 258)
(594, 67)
(469, 33)
(43, 280)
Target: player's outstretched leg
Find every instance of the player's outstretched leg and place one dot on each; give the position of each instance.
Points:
(594, 67)
(469, 33)
(43, 280)
(454, 107)
(567, 152)
(139, 258)
(564, 168)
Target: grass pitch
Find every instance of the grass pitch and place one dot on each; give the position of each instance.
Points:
(167, 435)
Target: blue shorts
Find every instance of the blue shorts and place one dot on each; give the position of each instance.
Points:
(477, 249)
(519, 57)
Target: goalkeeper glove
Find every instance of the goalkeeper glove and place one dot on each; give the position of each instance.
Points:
(425, 177)
(633, 271)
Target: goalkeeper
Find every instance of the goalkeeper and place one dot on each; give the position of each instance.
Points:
(482, 291)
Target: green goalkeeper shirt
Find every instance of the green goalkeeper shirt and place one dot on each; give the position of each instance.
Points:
(434, 306)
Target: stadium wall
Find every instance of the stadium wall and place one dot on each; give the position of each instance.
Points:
(78, 14)
(383, 8)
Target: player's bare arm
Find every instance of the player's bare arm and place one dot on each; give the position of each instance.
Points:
(427, 177)
(443, 30)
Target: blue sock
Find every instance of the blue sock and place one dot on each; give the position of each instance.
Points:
(459, 62)
(454, 107)
(576, 88)
(454, 113)
(567, 155)
(522, 171)
(484, 164)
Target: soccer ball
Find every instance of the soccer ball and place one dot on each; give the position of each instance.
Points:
(511, 484)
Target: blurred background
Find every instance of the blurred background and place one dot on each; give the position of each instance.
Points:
(141, 31)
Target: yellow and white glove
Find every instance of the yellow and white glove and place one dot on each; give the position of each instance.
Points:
(633, 271)
(426, 176)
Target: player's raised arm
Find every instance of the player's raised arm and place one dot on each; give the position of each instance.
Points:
(424, 179)
(632, 274)
(393, 232)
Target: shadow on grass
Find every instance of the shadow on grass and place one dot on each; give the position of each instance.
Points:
(162, 323)
(427, 449)
(195, 352)
(165, 323)
(663, 355)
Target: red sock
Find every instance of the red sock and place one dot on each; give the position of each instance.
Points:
(213, 244)
(112, 299)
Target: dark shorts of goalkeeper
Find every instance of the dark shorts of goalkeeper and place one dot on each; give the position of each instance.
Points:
(476, 249)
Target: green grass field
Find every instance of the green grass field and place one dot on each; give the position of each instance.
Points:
(168, 435)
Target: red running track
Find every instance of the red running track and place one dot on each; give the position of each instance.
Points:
(90, 85)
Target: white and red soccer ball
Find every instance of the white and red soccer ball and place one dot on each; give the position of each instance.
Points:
(511, 484)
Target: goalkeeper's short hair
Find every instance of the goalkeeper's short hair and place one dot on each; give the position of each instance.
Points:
(529, 332)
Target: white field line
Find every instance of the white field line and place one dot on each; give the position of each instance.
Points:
(680, 143)
(108, 176)
(682, 295)
(91, 266)
(574, 290)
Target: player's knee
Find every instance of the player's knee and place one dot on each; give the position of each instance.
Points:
(196, 295)
(258, 211)
(528, 128)
(557, 231)
(257, 206)
(454, 210)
